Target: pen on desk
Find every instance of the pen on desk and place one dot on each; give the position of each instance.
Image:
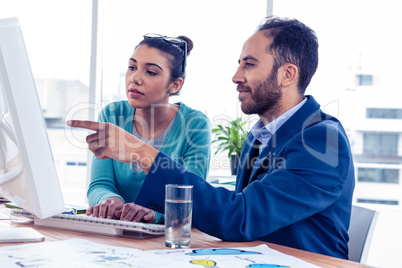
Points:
(71, 211)
(12, 205)
(81, 211)
(74, 211)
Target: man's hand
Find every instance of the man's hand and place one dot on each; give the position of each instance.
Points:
(136, 213)
(106, 209)
(111, 141)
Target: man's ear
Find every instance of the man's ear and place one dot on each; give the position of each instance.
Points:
(289, 74)
(176, 85)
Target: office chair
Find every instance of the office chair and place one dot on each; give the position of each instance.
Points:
(361, 229)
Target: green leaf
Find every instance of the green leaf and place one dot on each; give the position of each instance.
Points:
(230, 137)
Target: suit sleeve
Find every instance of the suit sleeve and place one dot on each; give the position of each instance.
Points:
(310, 179)
(198, 136)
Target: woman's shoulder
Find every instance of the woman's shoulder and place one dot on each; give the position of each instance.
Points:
(118, 107)
(112, 111)
(192, 117)
(187, 111)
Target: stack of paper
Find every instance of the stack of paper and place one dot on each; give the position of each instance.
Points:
(83, 253)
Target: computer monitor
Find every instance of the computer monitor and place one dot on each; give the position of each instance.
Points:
(28, 175)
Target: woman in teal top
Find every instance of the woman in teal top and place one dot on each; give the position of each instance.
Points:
(156, 71)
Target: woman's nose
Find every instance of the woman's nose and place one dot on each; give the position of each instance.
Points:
(136, 78)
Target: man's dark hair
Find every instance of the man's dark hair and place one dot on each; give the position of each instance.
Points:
(292, 42)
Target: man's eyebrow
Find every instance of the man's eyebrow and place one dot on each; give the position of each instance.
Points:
(148, 64)
(249, 57)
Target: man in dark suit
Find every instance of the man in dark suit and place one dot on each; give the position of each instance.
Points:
(296, 177)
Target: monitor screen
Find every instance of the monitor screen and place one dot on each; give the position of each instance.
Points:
(28, 174)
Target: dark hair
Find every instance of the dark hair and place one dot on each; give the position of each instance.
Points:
(293, 42)
(176, 52)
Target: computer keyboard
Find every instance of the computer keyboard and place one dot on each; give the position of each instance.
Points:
(89, 224)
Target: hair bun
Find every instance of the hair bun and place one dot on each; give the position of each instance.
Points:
(190, 43)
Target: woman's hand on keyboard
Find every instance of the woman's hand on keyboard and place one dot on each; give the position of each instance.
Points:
(136, 213)
(106, 209)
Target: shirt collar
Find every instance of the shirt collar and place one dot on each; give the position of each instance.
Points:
(264, 133)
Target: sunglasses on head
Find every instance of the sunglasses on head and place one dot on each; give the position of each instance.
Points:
(173, 40)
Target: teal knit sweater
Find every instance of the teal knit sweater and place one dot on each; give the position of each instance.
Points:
(188, 142)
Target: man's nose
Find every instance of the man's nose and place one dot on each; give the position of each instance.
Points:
(238, 77)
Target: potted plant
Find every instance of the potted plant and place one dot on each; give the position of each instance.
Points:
(231, 138)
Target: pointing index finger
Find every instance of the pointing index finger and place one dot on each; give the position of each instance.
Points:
(91, 125)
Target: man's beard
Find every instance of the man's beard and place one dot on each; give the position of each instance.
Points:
(265, 98)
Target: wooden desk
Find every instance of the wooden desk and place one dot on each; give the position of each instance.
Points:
(198, 240)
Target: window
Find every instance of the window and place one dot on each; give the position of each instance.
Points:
(379, 175)
(57, 37)
(384, 113)
(58, 41)
(218, 30)
(380, 143)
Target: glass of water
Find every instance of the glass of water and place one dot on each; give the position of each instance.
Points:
(178, 215)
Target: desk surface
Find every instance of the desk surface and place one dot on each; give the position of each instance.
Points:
(198, 240)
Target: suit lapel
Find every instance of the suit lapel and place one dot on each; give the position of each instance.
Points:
(245, 167)
(266, 152)
(291, 127)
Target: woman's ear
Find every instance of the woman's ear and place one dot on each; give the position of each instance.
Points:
(289, 74)
(176, 85)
